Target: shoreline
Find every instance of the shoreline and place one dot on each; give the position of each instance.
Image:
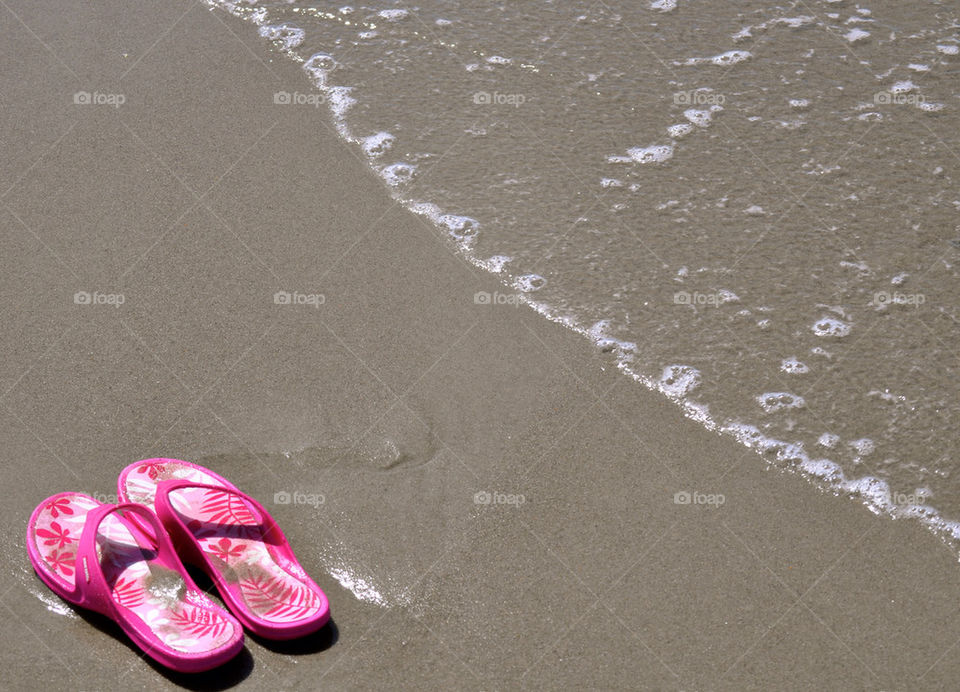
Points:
(824, 473)
(399, 399)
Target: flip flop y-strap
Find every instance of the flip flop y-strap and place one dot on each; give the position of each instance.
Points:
(92, 590)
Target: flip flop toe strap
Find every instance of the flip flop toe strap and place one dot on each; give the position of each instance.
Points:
(92, 589)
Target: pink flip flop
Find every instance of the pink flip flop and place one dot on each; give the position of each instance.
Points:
(227, 533)
(96, 556)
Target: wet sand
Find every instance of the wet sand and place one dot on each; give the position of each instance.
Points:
(397, 400)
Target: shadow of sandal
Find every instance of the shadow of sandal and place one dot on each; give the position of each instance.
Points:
(228, 675)
(321, 640)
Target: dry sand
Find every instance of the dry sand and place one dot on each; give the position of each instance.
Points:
(397, 400)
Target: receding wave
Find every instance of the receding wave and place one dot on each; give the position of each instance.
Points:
(753, 210)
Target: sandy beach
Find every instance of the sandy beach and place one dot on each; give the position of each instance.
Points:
(487, 502)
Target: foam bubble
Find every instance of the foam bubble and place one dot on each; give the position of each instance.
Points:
(862, 268)
(793, 366)
(822, 468)
(679, 130)
(731, 57)
(828, 440)
(948, 49)
(392, 15)
(288, 36)
(795, 22)
(679, 380)
(700, 118)
(428, 209)
(904, 86)
(776, 401)
(496, 263)
(378, 144)
(794, 124)
(830, 326)
(658, 153)
(747, 435)
(398, 173)
(726, 296)
(792, 22)
(855, 35)
(318, 66)
(664, 5)
(460, 227)
(529, 283)
(625, 350)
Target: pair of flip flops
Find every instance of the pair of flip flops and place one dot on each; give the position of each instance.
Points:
(125, 561)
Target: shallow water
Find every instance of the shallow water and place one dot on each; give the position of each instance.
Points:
(752, 206)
